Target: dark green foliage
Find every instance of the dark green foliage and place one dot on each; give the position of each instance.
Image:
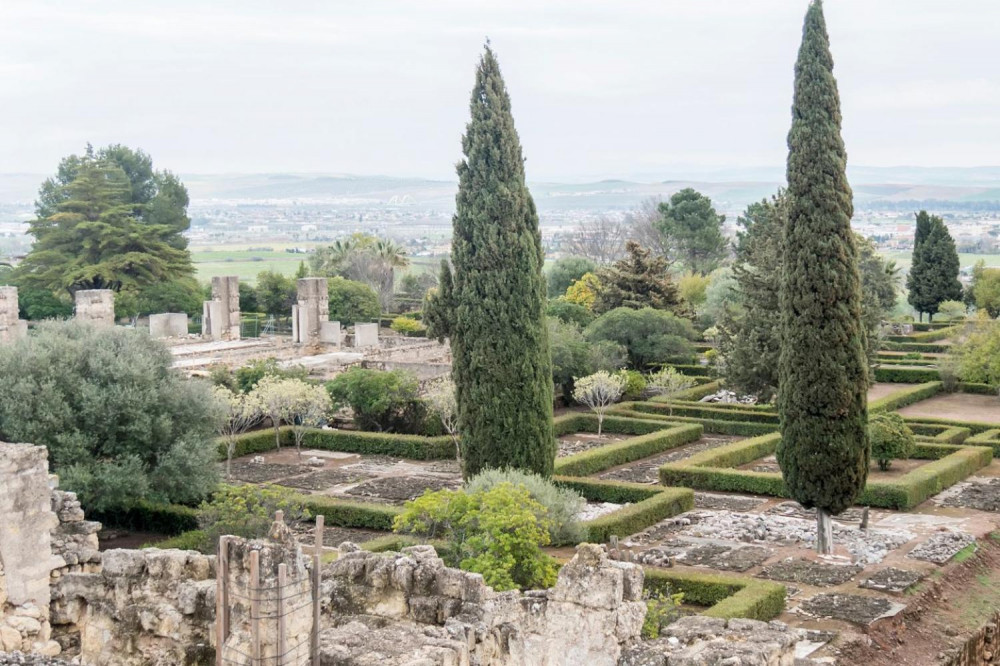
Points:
(639, 280)
(119, 424)
(495, 299)
(107, 221)
(569, 312)
(693, 228)
(891, 438)
(412, 447)
(276, 294)
(823, 373)
(246, 376)
(439, 305)
(933, 276)
(650, 336)
(570, 353)
(343, 513)
(639, 515)
(352, 302)
(39, 304)
(181, 295)
(878, 294)
(565, 272)
(728, 596)
(381, 401)
(145, 516)
(248, 299)
(907, 396)
(905, 375)
(247, 511)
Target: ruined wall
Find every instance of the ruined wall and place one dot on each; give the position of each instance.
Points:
(145, 607)
(95, 306)
(981, 648)
(26, 559)
(226, 290)
(312, 308)
(450, 616)
(11, 327)
(168, 325)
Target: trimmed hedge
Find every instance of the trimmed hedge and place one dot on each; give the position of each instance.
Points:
(692, 369)
(640, 515)
(146, 516)
(569, 424)
(693, 393)
(413, 447)
(738, 428)
(940, 433)
(346, 513)
(906, 375)
(899, 360)
(727, 596)
(599, 490)
(714, 470)
(990, 438)
(930, 325)
(904, 397)
(976, 427)
(601, 458)
(706, 411)
(978, 389)
(921, 347)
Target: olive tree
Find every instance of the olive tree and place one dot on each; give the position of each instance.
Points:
(241, 412)
(599, 391)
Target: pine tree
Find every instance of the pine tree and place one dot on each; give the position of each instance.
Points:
(694, 230)
(496, 297)
(933, 276)
(638, 280)
(822, 397)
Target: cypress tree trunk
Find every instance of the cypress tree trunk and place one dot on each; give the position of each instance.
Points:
(822, 399)
(499, 338)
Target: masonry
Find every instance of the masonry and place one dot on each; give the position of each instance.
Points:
(11, 327)
(95, 306)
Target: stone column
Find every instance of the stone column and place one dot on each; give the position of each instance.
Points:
(11, 328)
(95, 306)
(226, 289)
(168, 325)
(313, 309)
(366, 335)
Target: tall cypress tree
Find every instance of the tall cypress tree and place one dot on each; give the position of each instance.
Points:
(495, 296)
(822, 400)
(933, 276)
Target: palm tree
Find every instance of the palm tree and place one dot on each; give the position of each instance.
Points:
(390, 255)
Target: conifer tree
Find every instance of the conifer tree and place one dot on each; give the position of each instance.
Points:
(638, 280)
(494, 298)
(822, 389)
(933, 276)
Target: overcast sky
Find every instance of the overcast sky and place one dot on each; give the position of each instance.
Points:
(637, 89)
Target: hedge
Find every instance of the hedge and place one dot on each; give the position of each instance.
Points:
(934, 335)
(640, 515)
(692, 370)
(900, 360)
(904, 397)
(347, 513)
(739, 428)
(727, 596)
(714, 470)
(940, 433)
(600, 490)
(190, 540)
(906, 375)
(707, 411)
(930, 325)
(976, 427)
(145, 516)
(601, 458)
(922, 347)
(693, 393)
(413, 447)
(569, 424)
(990, 438)
(979, 389)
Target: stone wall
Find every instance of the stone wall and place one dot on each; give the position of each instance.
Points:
(311, 309)
(26, 559)
(983, 647)
(226, 290)
(168, 325)
(11, 327)
(95, 306)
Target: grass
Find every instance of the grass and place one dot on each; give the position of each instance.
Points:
(964, 554)
(904, 257)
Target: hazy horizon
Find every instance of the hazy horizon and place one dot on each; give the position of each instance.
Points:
(599, 90)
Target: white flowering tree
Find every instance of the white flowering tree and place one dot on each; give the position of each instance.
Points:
(599, 391)
(307, 406)
(441, 400)
(667, 382)
(273, 399)
(240, 413)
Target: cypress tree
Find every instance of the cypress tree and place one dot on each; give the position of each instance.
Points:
(933, 276)
(822, 399)
(496, 296)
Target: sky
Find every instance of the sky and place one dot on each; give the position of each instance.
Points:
(645, 89)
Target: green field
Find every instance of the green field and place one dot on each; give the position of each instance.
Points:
(902, 258)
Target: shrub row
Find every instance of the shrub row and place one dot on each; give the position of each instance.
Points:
(707, 411)
(935, 335)
(145, 516)
(930, 325)
(634, 448)
(692, 370)
(941, 433)
(344, 513)
(904, 397)
(693, 393)
(739, 428)
(979, 389)
(899, 360)
(976, 427)
(640, 515)
(922, 347)
(569, 424)
(990, 438)
(727, 596)
(927, 480)
(599, 490)
(413, 447)
(893, 375)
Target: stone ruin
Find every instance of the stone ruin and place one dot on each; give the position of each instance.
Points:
(220, 319)
(310, 311)
(168, 325)
(11, 327)
(95, 306)
(159, 607)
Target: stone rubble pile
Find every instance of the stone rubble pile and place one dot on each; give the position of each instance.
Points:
(699, 641)
(730, 398)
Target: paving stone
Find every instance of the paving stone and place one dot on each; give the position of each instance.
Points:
(941, 546)
(796, 510)
(398, 489)
(981, 495)
(741, 503)
(584, 441)
(810, 572)
(251, 472)
(892, 579)
(646, 470)
(853, 608)
(326, 479)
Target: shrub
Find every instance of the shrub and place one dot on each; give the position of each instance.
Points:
(381, 401)
(497, 533)
(668, 381)
(119, 424)
(635, 384)
(249, 375)
(891, 438)
(352, 302)
(565, 272)
(662, 608)
(562, 504)
(406, 325)
(649, 336)
(571, 313)
(979, 354)
(599, 391)
(247, 511)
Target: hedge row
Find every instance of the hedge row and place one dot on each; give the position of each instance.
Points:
(755, 414)
(979, 389)
(739, 428)
(693, 393)
(926, 336)
(640, 515)
(727, 596)
(693, 370)
(927, 480)
(413, 447)
(990, 438)
(976, 427)
(893, 375)
(147, 516)
(599, 490)
(345, 513)
(941, 433)
(601, 458)
(900, 360)
(570, 424)
(904, 397)
(922, 347)
(930, 325)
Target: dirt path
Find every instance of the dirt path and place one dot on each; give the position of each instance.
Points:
(957, 406)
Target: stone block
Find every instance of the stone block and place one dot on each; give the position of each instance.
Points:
(329, 332)
(211, 320)
(312, 309)
(226, 290)
(95, 306)
(366, 335)
(168, 325)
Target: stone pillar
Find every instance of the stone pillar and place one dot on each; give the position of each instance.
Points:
(211, 318)
(11, 328)
(95, 306)
(313, 309)
(168, 325)
(366, 335)
(329, 333)
(226, 289)
(26, 560)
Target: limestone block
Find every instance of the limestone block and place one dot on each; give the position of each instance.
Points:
(95, 306)
(212, 320)
(168, 325)
(329, 332)
(366, 335)
(11, 328)
(226, 290)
